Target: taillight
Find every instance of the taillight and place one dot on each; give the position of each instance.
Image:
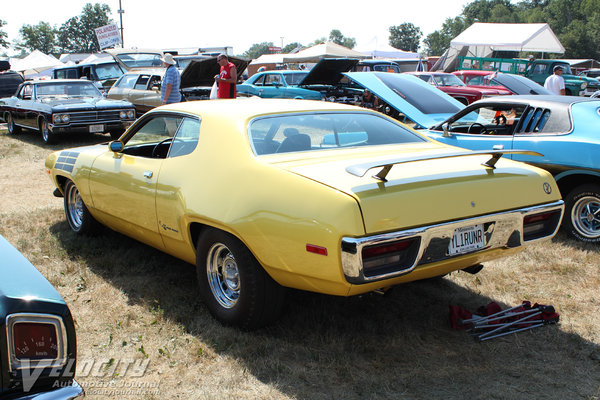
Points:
(36, 340)
(536, 226)
(388, 257)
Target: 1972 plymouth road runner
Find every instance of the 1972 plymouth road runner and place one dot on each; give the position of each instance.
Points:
(64, 105)
(37, 334)
(263, 194)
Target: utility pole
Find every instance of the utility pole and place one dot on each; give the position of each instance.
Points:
(121, 11)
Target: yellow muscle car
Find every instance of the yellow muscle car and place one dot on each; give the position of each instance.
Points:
(265, 194)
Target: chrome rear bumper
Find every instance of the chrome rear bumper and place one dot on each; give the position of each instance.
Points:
(502, 230)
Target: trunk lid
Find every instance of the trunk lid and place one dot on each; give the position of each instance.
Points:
(428, 192)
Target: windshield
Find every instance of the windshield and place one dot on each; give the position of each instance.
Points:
(295, 78)
(69, 89)
(311, 132)
(140, 60)
(447, 80)
(108, 71)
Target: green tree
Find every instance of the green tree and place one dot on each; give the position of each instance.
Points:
(3, 41)
(40, 37)
(405, 36)
(78, 35)
(336, 37)
(257, 50)
(291, 47)
(437, 42)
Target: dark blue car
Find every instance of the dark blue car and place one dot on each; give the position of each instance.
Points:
(37, 335)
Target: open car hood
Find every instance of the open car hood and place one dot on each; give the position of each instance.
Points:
(328, 71)
(419, 101)
(202, 72)
(519, 84)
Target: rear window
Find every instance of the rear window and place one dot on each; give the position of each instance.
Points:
(310, 132)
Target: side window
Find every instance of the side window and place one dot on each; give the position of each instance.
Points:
(26, 92)
(534, 120)
(272, 80)
(142, 82)
(260, 81)
(72, 74)
(126, 81)
(153, 139)
(540, 69)
(186, 139)
(61, 74)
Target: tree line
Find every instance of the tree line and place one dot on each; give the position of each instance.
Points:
(575, 22)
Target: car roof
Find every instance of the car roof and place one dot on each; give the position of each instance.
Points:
(245, 108)
(50, 81)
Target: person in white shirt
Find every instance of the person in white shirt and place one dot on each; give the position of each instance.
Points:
(555, 82)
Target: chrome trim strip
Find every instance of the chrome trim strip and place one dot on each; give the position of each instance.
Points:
(502, 230)
(70, 392)
(61, 336)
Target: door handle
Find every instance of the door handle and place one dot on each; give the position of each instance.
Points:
(148, 174)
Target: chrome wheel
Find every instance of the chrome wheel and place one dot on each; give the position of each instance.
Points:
(223, 275)
(585, 216)
(10, 122)
(74, 207)
(45, 131)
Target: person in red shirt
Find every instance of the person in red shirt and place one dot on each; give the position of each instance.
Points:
(226, 79)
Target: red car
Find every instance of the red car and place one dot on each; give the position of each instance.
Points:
(456, 88)
(482, 80)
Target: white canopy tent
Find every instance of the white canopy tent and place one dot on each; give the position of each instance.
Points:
(376, 48)
(320, 51)
(35, 63)
(482, 39)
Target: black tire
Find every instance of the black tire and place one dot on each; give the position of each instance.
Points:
(582, 213)
(78, 216)
(47, 136)
(10, 123)
(234, 286)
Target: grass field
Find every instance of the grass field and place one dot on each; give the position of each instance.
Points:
(131, 302)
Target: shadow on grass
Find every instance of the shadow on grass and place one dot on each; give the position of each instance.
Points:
(395, 346)
(63, 140)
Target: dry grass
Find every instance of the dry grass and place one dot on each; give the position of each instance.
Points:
(130, 301)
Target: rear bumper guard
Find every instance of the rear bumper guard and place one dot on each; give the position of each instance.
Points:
(502, 230)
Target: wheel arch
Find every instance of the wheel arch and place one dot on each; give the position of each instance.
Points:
(569, 180)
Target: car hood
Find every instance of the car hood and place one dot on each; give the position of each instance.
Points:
(328, 71)
(20, 279)
(468, 188)
(421, 102)
(519, 84)
(84, 103)
(202, 72)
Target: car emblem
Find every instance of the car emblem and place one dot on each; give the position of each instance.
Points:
(472, 204)
(547, 188)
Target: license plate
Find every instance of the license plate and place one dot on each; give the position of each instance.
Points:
(467, 239)
(96, 128)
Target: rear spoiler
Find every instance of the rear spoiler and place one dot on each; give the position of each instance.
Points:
(386, 165)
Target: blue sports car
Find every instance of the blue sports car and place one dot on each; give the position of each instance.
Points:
(297, 84)
(563, 129)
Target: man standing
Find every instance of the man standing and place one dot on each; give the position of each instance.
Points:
(169, 88)
(226, 79)
(555, 82)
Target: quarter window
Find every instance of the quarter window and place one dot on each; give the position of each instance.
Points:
(126, 81)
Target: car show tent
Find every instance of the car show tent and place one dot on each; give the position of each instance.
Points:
(376, 48)
(35, 64)
(482, 39)
(324, 50)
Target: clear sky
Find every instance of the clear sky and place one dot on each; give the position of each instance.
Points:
(189, 23)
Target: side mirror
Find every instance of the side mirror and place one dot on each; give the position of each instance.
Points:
(115, 146)
(446, 130)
